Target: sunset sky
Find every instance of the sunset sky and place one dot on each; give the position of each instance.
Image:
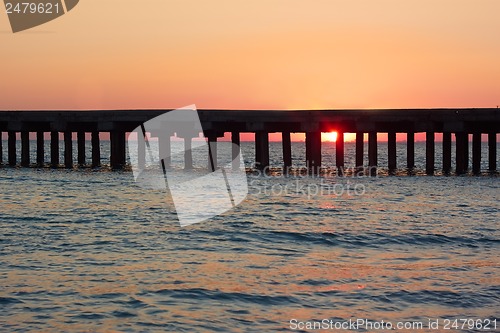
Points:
(259, 54)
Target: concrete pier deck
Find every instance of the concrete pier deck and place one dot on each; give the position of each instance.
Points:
(459, 124)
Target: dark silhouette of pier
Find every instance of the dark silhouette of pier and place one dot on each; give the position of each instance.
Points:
(459, 123)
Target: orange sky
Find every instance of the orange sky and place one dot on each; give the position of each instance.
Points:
(282, 54)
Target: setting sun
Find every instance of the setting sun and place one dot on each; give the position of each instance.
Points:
(329, 136)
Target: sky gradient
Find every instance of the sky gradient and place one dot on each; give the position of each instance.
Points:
(272, 54)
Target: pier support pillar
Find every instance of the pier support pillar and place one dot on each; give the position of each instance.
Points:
(410, 150)
(96, 150)
(446, 153)
(1, 149)
(40, 149)
(141, 150)
(165, 149)
(429, 153)
(235, 150)
(492, 153)
(308, 153)
(11, 146)
(339, 153)
(372, 153)
(212, 151)
(476, 153)
(68, 150)
(262, 150)
(359, 150)
(117, 149)
(391, 148)
(466, 152)
(188, 153)
(54, 149)
(25, 149)
(81, 147)
(287, 151)
(257, 150)
(313, 152)
(461, 142)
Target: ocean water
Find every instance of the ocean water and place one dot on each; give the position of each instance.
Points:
(90, 251)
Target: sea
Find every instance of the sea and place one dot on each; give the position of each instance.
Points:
(88, 250)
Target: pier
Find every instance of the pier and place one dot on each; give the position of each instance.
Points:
(460, 125)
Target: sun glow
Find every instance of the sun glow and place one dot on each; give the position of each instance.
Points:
(329, 136)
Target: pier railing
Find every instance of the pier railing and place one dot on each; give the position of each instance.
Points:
(452, 123)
